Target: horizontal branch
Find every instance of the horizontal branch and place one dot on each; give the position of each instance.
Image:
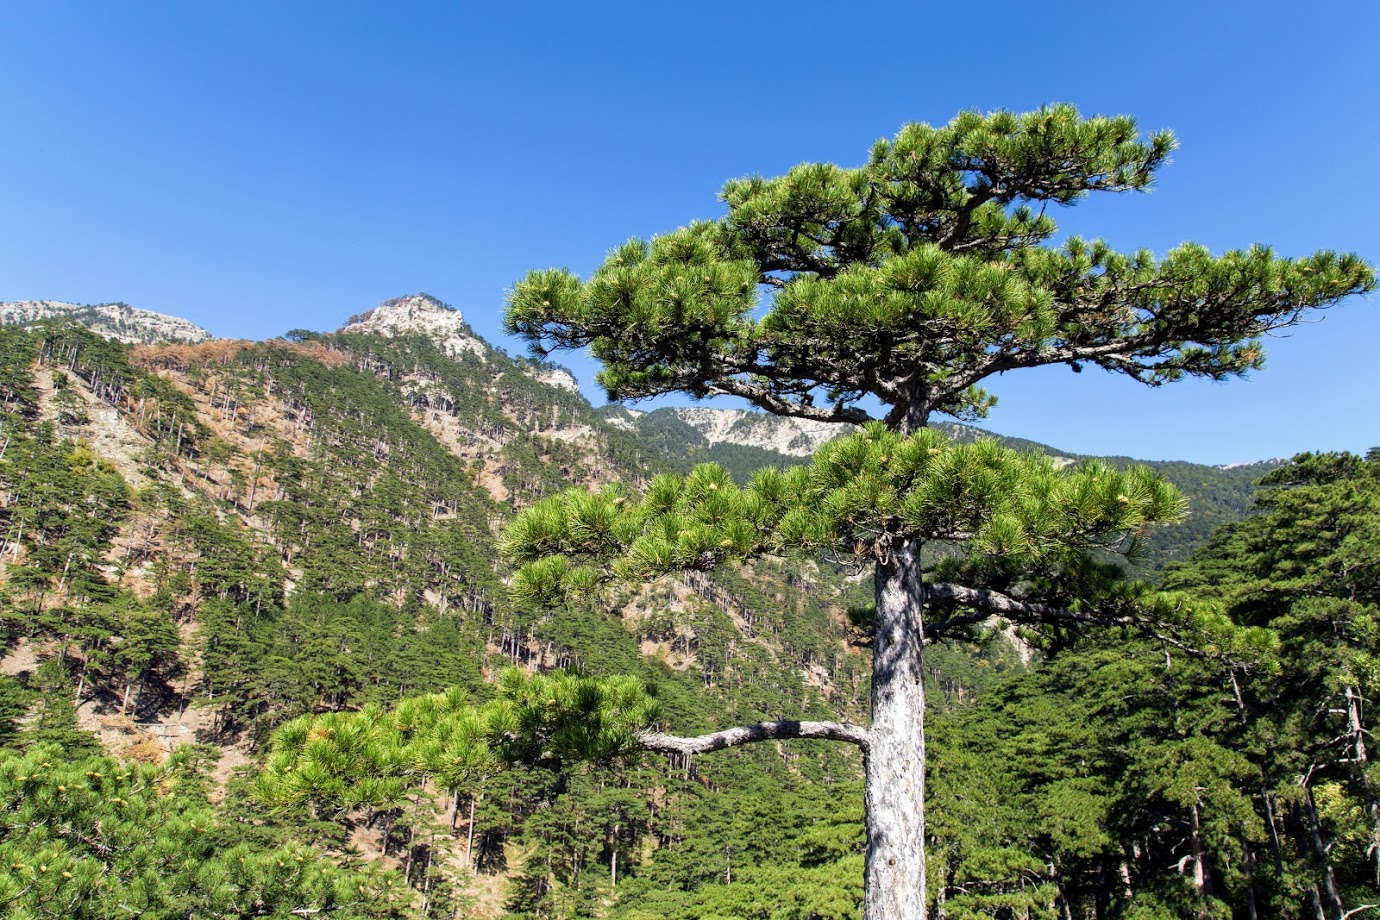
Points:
(764, 398)
(762, 731)
(986, 604)
(990, 603)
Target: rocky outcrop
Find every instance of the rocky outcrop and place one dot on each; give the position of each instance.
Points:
(117, 321)
(793, 437)
(420, 314)
(556, 376)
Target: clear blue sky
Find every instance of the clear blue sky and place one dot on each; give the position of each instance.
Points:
(257, 167)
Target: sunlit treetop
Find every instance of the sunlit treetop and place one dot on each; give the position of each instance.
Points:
(913, 278)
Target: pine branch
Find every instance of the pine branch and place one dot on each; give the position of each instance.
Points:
(761, 731)
(764, 398)
(986, 603)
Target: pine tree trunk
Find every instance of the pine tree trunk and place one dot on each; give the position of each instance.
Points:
(613, 861)
(1330, 899)
(1315, 900)
(1360, 758)
(1202, 879)
(1272, 825)
(469, 839)
(895, 796)
(1248, 864)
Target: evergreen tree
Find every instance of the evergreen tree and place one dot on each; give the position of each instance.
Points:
(1307, 567)
(88, 838)
(906, 283)
(53, 720)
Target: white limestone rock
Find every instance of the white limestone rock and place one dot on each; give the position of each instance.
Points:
(424, 314)
(793, 437)
(118, 321)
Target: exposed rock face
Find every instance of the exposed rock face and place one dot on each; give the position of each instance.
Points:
(621, 417)
(446, 326)
(793, 437)
(117, 321)
(555, 376)
(424, 314)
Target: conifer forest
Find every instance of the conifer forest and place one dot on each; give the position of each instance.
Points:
(388, 622)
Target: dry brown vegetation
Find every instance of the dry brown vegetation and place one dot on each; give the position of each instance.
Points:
(180, 357)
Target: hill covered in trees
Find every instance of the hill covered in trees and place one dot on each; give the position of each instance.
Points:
(206, 542)
(746, 442)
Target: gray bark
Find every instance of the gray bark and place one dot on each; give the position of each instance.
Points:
(895, 794)
(1329, 898)
(1202, 880)
(1248, 864)
(894, 748)
(469, 838)
(761, 731)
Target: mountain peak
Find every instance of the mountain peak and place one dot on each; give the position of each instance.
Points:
(118, 321)
(419, 313)
(411, 308)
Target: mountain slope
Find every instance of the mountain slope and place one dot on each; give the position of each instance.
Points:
(309, 525)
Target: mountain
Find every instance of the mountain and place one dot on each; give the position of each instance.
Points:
(445, 326)
(420, 314)
(791, 437)
(118, 321)
(201, 542)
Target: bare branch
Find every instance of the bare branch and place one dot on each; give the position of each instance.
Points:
(762, 731)
(991, 603)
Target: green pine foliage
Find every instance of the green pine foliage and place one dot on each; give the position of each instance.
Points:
(932, 262)
(1023, 522)
(906, 283)
(91, 837)
(1304, 568)
(290, 613)
(1214, 495)
(1134, 780)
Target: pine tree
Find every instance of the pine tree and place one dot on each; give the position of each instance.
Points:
(54, 719)
(906, 282)
(1305, 567)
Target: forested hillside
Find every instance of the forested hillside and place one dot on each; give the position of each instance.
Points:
(203, 544)
(1216, 495)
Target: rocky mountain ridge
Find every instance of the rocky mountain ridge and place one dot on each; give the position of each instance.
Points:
(422, 314)
(118, 321)
(792, 437)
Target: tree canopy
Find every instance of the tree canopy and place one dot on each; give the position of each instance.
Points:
(916, 276)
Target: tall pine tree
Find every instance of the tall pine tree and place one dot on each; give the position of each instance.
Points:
(905, 283)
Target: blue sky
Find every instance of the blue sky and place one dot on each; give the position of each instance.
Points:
(257, 167)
